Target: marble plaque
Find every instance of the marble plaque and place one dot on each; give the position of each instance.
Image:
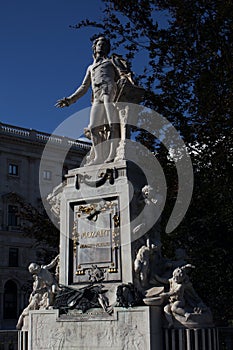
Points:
(96, 237)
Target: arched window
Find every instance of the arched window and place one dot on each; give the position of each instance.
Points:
(10, 300)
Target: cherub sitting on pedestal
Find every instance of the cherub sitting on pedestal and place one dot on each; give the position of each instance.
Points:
(183, 301)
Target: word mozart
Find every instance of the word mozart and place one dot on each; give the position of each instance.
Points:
(95, 234)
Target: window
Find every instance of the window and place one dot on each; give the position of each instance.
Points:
(13, 257)
(13, 169)
(47, 175)
(10, 300)
(13, 215)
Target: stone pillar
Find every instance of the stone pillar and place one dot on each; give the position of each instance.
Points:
(96, 222)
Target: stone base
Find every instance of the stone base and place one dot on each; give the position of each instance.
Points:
(126, 329)
(195, 321)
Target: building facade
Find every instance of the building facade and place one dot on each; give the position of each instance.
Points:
(22, 175)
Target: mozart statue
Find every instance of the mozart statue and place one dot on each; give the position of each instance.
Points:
(106, 76)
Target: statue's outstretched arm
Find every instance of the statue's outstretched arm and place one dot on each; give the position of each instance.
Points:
(66, 101)
(52, 264)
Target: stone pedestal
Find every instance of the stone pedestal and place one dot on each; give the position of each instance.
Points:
(127, 329)
(97, 210)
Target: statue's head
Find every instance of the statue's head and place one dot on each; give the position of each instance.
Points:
(34, 268)
(147, 190)
(101, 44)
(179, 274)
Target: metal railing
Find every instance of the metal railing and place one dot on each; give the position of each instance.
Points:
(175, 339)
(191, 339)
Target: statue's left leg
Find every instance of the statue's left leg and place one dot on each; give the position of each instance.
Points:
(178, 307)
(20, 322)
(114, 126)
(95, 127)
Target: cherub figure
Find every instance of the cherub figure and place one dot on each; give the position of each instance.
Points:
(143, 263)
(149, 202)
(45, 281)
(182, 299)
(45, 286)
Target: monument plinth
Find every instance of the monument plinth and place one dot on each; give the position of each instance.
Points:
(96, 222)
(125, 330)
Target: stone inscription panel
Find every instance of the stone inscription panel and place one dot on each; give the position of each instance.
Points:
(96, 238)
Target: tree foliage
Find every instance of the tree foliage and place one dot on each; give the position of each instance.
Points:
(37, 225)
(185, 49)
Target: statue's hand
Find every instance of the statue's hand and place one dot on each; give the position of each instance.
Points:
(63, 102)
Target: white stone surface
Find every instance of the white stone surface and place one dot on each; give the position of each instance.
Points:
(136, 328)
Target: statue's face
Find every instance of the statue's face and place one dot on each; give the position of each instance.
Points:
(101, 46)
(34, 268)
(178, 275)
(147, 191)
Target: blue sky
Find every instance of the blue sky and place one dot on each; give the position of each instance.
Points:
(42, 59)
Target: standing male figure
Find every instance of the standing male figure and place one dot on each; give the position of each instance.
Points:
(102, 75)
